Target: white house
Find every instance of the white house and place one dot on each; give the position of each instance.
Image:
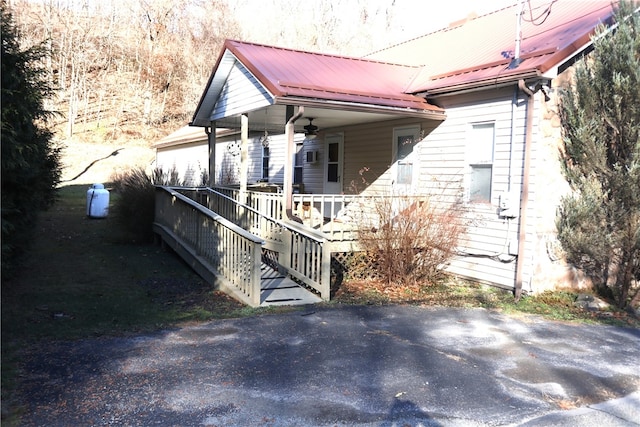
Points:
(470, 108)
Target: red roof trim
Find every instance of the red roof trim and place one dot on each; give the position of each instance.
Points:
(406, 98)
(232, 46)
(496, 64)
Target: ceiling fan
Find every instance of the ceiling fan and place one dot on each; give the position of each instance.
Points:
(311, 130)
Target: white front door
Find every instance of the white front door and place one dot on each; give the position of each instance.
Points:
(333, 159)
(333, 153)
(405, 167)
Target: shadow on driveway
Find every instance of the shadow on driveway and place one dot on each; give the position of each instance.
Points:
(354, 366)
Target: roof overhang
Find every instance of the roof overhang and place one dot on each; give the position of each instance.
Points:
(339, 106)
(213, 89)
(190, 135)
(543, 65)
(362, 108)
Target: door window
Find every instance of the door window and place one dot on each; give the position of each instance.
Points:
(405, 160)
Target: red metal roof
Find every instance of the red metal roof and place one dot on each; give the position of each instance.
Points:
(478, 50)
(293, 73)
(472, 53)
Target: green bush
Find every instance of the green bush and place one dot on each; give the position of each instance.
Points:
(30, 157)
(599, 220)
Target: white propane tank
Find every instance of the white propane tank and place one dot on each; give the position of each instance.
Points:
(97, 201)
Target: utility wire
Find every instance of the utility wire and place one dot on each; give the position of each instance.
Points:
(544, 13)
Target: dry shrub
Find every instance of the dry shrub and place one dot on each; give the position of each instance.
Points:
(134, 208)
(411, 238)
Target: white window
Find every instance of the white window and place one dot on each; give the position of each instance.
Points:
(405, 160)
(265, 163)
(298, 165)
(480, 156)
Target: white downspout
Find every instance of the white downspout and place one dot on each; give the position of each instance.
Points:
(289, 131)
(524, 197)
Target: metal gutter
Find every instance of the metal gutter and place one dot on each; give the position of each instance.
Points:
(475, 86)
(438, 114)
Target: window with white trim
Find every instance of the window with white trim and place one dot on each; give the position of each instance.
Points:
(480, 157)
(298, 165)
(265, 162)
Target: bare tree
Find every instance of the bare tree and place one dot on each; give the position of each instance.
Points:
(127, 67)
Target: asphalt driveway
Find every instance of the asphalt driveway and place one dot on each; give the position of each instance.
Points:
(350, 366)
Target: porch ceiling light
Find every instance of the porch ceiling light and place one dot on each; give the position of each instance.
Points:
(311, 130)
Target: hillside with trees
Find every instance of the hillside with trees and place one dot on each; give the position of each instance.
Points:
(125, 71)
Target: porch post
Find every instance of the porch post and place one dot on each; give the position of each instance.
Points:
(289, 132)
(244, 165)
(211, 141)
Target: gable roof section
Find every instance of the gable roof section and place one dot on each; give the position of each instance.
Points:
(478, 51)
(285, 76)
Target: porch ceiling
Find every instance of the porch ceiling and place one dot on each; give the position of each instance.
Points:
(273, 119)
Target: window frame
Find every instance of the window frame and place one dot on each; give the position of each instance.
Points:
(478, 160)
(265, 159)
(298, 164)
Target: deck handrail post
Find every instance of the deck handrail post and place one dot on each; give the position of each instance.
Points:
(285, 255)
(199, 231)
(325, 275)
(255, 274)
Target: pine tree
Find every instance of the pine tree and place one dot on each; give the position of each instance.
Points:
(599, 222)
(30, 162)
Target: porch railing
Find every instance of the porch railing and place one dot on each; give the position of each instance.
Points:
(334, 214)
(304, 254)
(214, 245)
(268, 203)
(331, 214)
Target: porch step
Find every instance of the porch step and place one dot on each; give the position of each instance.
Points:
(276, 289)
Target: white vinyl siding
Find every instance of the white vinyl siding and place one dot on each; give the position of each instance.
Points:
(191, 161)
(312, 174)
(241, 93)
(490, 240)
(367, 156)
(276, 159)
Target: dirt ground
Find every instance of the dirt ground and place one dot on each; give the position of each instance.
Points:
(76, 157)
